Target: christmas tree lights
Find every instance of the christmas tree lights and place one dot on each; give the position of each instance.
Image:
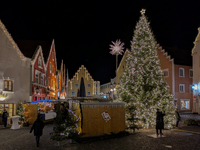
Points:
(142, 85)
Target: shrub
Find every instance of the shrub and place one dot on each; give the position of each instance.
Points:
(190, 122)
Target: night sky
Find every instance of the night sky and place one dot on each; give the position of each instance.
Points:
(84, 29)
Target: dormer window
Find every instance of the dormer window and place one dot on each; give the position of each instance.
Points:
(39, 62)
(53, 55)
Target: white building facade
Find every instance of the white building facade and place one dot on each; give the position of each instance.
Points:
(196, 74)
(14, 74)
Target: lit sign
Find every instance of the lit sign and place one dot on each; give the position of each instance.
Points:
(194, 87)
(104, 96)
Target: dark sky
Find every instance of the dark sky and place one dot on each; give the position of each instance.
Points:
(84, 29)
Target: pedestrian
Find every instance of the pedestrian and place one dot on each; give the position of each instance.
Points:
(159, 121)
(178, 117)
(37, 127)
(5, 117)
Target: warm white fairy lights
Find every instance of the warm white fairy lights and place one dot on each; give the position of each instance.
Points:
(142, 86)
(116, 48)
(12, 41)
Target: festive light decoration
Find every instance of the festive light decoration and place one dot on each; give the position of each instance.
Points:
(116, 48)
(12, 41)
(142, 85)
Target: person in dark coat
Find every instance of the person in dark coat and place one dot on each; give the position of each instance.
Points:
(38, 127)
(178, 117)
(5, 117)
(159, 121)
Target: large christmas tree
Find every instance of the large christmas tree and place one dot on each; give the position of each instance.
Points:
(142, 85)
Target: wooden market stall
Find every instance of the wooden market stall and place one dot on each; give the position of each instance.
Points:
(100, 118)
(45, 107)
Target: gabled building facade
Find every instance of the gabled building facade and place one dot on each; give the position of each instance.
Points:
(83, 80)
(14, 74)
(61, 82)
(38, 75)
(51, 67)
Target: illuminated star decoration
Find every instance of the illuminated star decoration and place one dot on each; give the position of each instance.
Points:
(116, 48)
(142, 11)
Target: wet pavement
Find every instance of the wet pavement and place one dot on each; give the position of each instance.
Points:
(21, 139)
(186, 138)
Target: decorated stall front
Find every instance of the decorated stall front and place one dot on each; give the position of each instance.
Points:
(45, 107)
(100, 118)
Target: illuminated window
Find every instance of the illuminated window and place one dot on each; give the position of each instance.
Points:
(52, 55)
(181, 72)
(8, 85)
(88, 85)
(182, 88)
(191, 73)
(185, 104)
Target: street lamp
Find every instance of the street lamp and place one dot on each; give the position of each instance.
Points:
(113, 88)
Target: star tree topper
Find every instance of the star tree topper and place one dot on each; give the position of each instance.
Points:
(142, 11)
(117, 48)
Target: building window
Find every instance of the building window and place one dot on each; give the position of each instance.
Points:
(88, 85)
(88, 93)
(185, 104)
(42, 81)
(35, 98)
(191, 73)
(182, 88)
(52, 55)
(76, 85)
(8, 85)
(73, 93)
(36, 78)
(181, 72)
(166, 73)
(191, 90)
(40, 62)
(51, 83)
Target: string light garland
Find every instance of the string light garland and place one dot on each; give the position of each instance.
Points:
(12, 41)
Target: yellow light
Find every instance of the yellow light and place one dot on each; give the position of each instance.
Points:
(54, 94)
(2, 98)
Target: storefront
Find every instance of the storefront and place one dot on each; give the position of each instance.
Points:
(9, 108)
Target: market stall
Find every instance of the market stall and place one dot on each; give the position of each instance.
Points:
(44, 107)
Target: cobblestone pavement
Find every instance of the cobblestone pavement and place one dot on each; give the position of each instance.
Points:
(21, 139)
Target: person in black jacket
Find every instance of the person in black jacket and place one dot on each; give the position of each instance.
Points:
(5, 117)
(178, 118)
(159, 121)
(37, 127)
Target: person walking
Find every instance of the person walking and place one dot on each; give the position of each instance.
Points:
(159, 121)
(38, 128)
(178, 117)
(5, 117)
